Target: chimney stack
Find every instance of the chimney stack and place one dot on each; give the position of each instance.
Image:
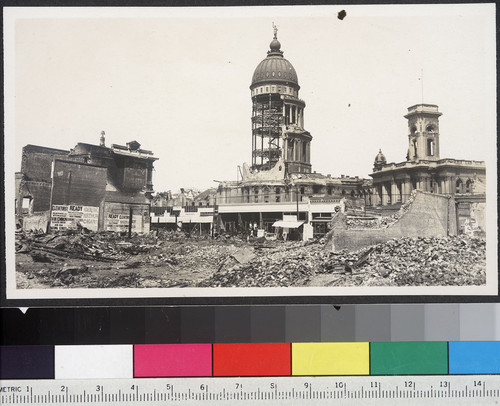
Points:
(102, 143)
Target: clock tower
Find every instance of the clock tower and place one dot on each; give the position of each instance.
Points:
(423, 132)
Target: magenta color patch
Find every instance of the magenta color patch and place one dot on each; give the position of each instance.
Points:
(164, 360)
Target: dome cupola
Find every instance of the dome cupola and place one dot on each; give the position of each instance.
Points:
(279, 139)
(379, 159)
(275, 68)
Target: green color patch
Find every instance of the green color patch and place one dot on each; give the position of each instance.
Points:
(409, 358)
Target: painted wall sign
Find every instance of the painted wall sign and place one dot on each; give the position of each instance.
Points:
(64, 217)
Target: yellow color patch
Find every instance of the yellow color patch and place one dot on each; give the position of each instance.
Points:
(330, 358)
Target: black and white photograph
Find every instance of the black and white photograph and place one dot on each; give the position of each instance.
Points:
(250, 151)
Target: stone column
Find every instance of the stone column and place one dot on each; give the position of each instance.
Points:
(385, 194)
(406, 189)
(394, 192)
(428, 184)
(375, 196)
(442, 186)
(423, 182)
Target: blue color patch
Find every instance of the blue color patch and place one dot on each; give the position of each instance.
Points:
(474, 357)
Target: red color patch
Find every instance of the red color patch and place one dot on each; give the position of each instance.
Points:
(251, 359)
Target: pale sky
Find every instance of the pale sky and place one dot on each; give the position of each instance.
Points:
(177, 81)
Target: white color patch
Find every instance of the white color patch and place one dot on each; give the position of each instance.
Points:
(93, 361)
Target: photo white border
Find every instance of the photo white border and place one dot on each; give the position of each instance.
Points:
(13, 13)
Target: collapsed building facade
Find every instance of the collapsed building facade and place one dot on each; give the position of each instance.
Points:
(93, 186)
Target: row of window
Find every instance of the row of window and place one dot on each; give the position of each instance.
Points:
(460, 186)
(317, 189)
(274, 89)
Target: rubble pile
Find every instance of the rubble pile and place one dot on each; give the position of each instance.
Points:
(103, 260)
(437, 261)
(279, 265)
(360, 222)
(190, 256)
(404, 262)
(381, 222)
(173, 259)
(414, 262)
(84, 245)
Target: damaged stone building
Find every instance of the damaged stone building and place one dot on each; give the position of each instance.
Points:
(425, 170)
(94, 186)
(280, 181)
(279, 191)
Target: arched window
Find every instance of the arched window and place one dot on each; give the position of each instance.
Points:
(352, 193)
(468, 186)
(430, 128)
(459, 186)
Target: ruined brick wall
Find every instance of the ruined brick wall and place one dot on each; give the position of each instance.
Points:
(77, 183)
(40, 191)
(430, 215)
(36, 162)
(77, 195)
(34, 180)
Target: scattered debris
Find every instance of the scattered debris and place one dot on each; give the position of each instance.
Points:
(405, 262)
(172, 259)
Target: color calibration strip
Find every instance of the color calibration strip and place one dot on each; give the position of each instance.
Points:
(226, 360)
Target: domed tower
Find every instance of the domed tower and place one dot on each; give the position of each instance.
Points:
(278, 115)
(379, 160)
(423, 132)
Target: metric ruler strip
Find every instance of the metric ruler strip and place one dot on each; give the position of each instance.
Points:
(347, 390)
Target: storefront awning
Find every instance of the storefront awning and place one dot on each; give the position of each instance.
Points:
(288, 224)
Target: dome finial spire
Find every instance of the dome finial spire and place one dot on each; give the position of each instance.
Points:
(275, 44)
